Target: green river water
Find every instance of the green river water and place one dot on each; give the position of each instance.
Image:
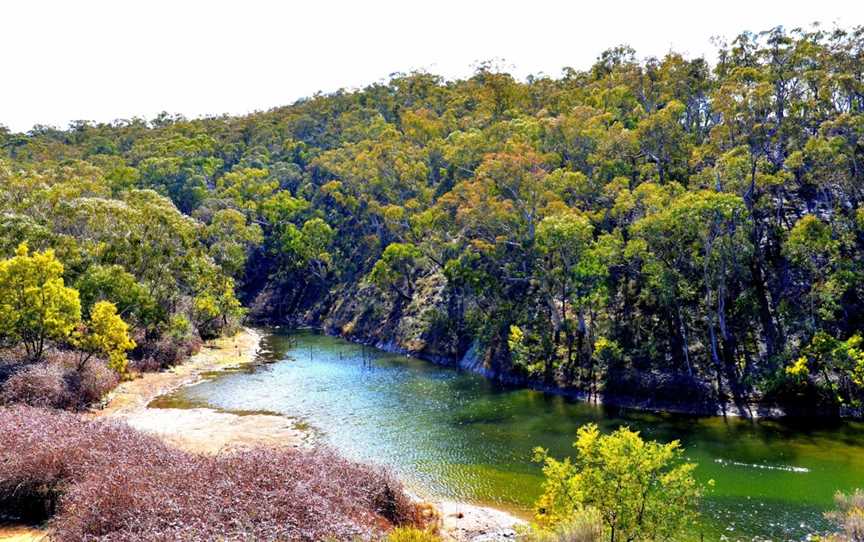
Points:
(455, 435)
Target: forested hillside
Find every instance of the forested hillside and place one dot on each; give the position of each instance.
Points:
(671, 228)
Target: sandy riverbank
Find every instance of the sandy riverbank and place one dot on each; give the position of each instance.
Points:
(219, 354)
(17, 533)
(204, 430)
(200, 430)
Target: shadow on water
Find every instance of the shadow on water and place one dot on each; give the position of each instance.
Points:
(456, 435)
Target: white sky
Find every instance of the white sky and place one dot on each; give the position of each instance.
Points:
(102, 60)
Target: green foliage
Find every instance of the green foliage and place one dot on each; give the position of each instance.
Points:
(607, 352)
(516, 343)
(230, 238)
(835, 365)
(812, 245)
(641, 490)
(394, 267)
(304, 249)
(179, 328)
(283, 208)
(246, 188)
(215, 308)
(317, 236)
(809, 241)
(113, 283)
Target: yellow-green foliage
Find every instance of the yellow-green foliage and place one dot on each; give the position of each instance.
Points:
(825, 354)
(641, 490)
(849, 517)
(395, 264)
(107, 334)
(411, 534)
(37, 308)
(35, 304)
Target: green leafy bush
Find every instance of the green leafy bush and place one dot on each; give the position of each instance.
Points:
(641, 490)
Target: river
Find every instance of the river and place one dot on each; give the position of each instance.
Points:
(455, 435)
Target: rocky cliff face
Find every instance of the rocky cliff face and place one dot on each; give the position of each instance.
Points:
(417, 327)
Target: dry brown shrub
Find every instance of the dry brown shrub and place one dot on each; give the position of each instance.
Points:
(106, 481)
(41, 384)
(59, 381)
(95, 379)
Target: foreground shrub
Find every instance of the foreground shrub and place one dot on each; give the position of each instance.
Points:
(641, 489)
(95, 379)
(106, 481)
(58, 382)
(849, 517)
(40, 384)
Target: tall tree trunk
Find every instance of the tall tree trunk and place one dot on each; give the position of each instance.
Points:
(680, 332)
(770, 332)
(718, 367)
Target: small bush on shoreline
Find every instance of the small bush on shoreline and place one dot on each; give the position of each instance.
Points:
(41, 384)
(164, 353)
(100, 480)
(632, 489)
